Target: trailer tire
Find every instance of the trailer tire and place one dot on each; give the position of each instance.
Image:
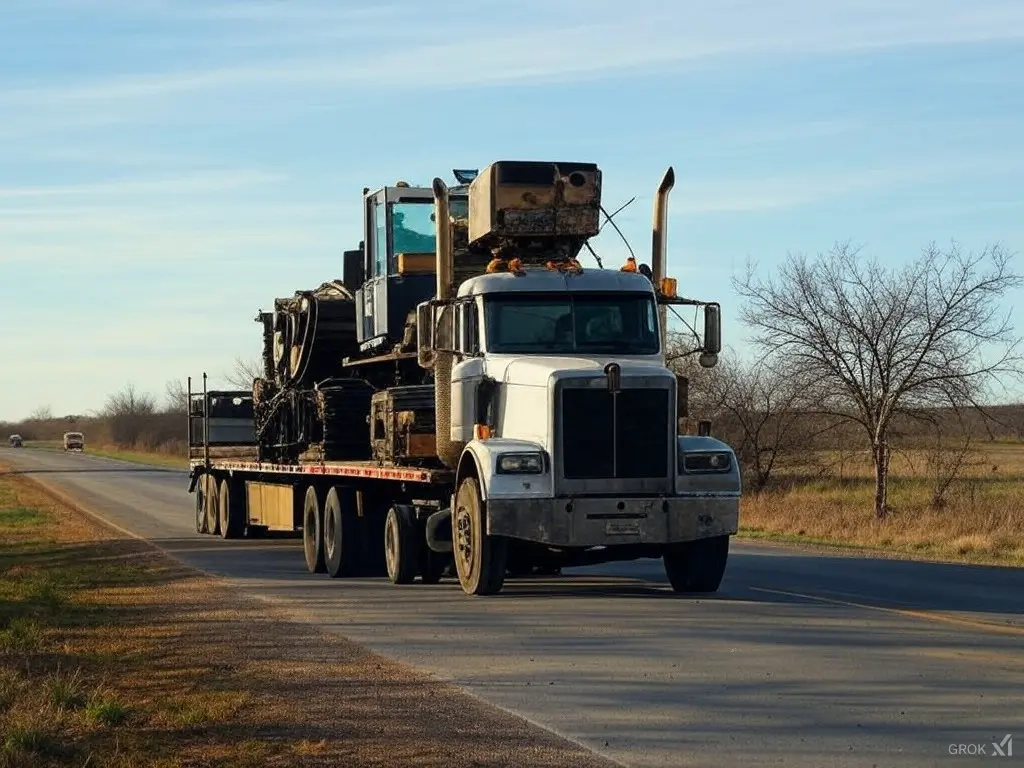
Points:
(313, 532)
(401, 544)
(341, 534)
(480, 558)
(697, 566)
(229, 511)
(201, 486)
(210, 502)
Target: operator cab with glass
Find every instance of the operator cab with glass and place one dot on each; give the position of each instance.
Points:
(396, 260)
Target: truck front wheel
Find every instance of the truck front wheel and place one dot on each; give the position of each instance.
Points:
(479, 557)
(697, 566)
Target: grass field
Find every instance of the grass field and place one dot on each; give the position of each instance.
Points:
(981, 520)
(114, 656)
(94, 668)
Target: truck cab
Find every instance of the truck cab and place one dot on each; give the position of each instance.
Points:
(74, 441)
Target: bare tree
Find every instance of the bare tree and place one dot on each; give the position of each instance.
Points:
(42, 413)
(949, 455)
(244, 372)
(128, 412)
(879, 341)
(176, 397)
(769, 413)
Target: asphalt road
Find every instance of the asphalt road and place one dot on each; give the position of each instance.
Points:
(800, 660)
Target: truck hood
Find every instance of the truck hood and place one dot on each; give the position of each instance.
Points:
(538, 371)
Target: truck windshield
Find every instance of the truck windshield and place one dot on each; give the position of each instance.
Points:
(599, 324)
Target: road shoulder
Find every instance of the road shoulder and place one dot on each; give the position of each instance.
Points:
(188, 671)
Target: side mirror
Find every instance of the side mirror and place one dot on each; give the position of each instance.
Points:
(435, 331)
(425, 335)
(712, 329)
(468, 338)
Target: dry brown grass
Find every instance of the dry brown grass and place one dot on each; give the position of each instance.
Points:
(111, 654)
(982, 519)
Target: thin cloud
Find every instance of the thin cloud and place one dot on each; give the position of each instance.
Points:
(197, 183)
(620, 38)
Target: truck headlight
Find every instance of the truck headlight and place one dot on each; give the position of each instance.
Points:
(521, 463)
(709, 461)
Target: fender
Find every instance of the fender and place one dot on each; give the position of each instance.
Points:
(481, 456)
(471, 462)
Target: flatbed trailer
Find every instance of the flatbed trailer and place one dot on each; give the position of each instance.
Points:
(352, 515)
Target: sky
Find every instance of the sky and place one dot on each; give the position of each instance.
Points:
(168, 167)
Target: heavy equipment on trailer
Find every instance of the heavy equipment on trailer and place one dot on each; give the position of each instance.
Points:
(468, 399)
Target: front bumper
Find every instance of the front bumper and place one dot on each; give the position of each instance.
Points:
(609, 520)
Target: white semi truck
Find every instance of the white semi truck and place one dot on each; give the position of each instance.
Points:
(480, 405)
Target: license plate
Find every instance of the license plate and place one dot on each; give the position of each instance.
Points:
(622, 528)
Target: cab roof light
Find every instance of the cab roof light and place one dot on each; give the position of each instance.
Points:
(629, 266)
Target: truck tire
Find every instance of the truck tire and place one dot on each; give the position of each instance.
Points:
(341, 534)
(697, 566)
(401, 544)
(210, 503)
(201, 504)
(313, 532)
(479, 557)
(230, 511)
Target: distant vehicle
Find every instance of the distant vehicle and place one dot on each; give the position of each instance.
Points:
(74, 441)
(16, 441)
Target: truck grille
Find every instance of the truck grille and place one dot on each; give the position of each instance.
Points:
(615, 436)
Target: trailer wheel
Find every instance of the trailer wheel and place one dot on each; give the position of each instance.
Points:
(401, 544)
(210, 503)
(313, 532)
(341, 534)
(697, 566)
(201, 504)
(479, 557)
(229, 511)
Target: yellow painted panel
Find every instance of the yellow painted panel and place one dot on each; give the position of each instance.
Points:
(270, 505)
(417, 263)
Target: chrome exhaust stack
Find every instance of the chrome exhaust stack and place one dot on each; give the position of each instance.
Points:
(447, 450)
(659, 247)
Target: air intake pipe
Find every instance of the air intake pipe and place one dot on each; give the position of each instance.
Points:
(448, 450)
(659, 242)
